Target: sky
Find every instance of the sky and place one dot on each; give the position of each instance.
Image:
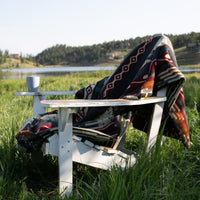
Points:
(28, 27)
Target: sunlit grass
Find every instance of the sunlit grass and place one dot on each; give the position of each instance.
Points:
(169, 172)
(190, 66)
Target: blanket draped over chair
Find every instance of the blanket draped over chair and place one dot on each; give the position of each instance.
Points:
(146, 69)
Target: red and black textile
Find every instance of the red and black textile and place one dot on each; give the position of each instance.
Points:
(146, 69)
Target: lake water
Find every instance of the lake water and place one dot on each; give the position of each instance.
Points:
(62, 71)
(22, 73)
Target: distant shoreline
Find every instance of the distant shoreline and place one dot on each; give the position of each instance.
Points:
(100, 65)
(14, 64)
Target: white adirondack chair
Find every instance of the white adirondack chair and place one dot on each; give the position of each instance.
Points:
(69, 148)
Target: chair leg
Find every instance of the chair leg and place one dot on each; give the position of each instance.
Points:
(154, 125)
(65, 151)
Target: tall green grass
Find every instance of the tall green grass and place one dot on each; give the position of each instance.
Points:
(168, 172)
(191, 89)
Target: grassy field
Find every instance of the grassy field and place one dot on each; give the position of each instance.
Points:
(169, 172)
(16, 63)
(187, 56)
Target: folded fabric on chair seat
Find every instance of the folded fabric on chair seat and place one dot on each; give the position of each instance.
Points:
(94, 136)
(37, 130)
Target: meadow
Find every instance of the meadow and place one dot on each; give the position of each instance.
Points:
(170, 172)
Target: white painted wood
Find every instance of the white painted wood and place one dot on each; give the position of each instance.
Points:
(37, 108)
(51, 147)
(45, 93)
(155, 121)
(82, 153)
(73, 103)
(91, 155)
(155, 126)
(65, 151)
(88, 143)
(101, 148)
(39, 96)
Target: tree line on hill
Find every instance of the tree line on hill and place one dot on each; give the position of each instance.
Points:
(91, 55)
(61, 54)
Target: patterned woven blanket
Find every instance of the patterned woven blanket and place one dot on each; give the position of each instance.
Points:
(146, 69)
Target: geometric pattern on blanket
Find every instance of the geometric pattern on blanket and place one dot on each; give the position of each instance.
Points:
(146, 69)
(36, 130)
